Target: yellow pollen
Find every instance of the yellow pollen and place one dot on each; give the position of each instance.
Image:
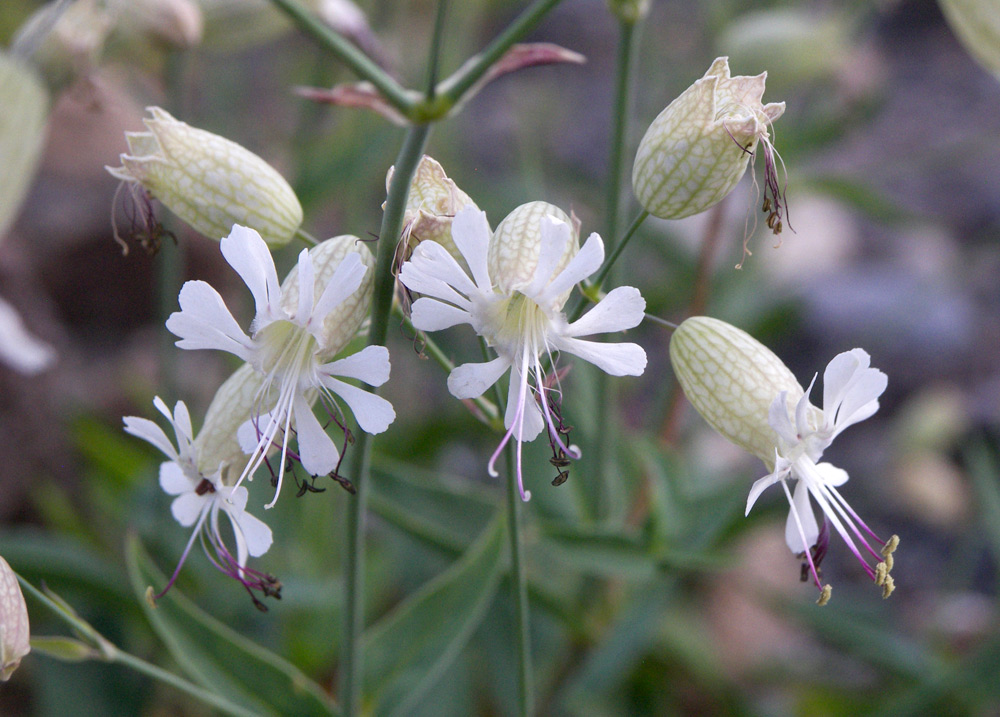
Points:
(890, 546)
(888, 587)
(824, 595)
(881, 573)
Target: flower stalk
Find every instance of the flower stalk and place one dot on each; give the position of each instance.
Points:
(392, 224)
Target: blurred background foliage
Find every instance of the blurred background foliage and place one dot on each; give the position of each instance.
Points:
(652, 595)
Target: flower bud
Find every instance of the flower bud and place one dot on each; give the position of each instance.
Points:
(25, 105)
(517, 241)
(216, 445)
(65, 41)
(208, 181)
(343, 322)
(177, 23)
(976, 23)
(696, 150)
(732, 379)
(431, 206)
(14, 633)
(629, 11)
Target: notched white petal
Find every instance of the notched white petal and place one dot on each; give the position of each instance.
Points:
(471, 380)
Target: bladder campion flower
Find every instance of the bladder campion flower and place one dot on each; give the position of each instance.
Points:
(200, 497)
(697, 149)
(208, 181)
(513, 297)
(298, 328)
(749, 396)
(14, 631)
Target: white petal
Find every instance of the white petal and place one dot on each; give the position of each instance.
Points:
(587, 261)
(148, 431)
(831, 475)
(307, 287)
(623, 308)
(18, 348)
(182, 422)
(416, 279)
(204, 322)
(373, 413)
(247, 253)
(174, 480)
(806, 518)
(838, 375)
(554, 236)
(615, 359)
(470, 380)
(256, 534)
(533, 422)
(471, 233)
(777, 418)
(187, 507)
(432, 315)
(762, 484)
(370, 364)
(316, 449)
(861, 401)
(434, 260)
(345, 281)
(232, 499)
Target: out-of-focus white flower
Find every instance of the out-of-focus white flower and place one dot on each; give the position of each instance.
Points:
(297, 330)
(697, 149)
(977, 25)
(208, 181)
(176, 22)
(14, 629)
(199, 499)
(747, 394)
(513, 297)
(18, 348)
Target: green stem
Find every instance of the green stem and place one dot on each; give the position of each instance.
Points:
(392, 223)
(518, 582)
(607, 435)
(455, 87)
(525, 688)
(111, 653)
(610, 261)
(394, 93)
(435, 58)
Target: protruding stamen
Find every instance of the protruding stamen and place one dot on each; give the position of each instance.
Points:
(824, 595)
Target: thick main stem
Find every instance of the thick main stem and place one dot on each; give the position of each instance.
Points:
(392, 223)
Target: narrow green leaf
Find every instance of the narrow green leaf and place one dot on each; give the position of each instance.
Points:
(447, 515)
(63, 648)
(408, 650)
(598, 550)
(219, 658)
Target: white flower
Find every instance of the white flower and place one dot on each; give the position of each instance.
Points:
(850, 395)
(200, 498)
(293, 337)
(18, 348)
(514, 300)
(749, 396)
